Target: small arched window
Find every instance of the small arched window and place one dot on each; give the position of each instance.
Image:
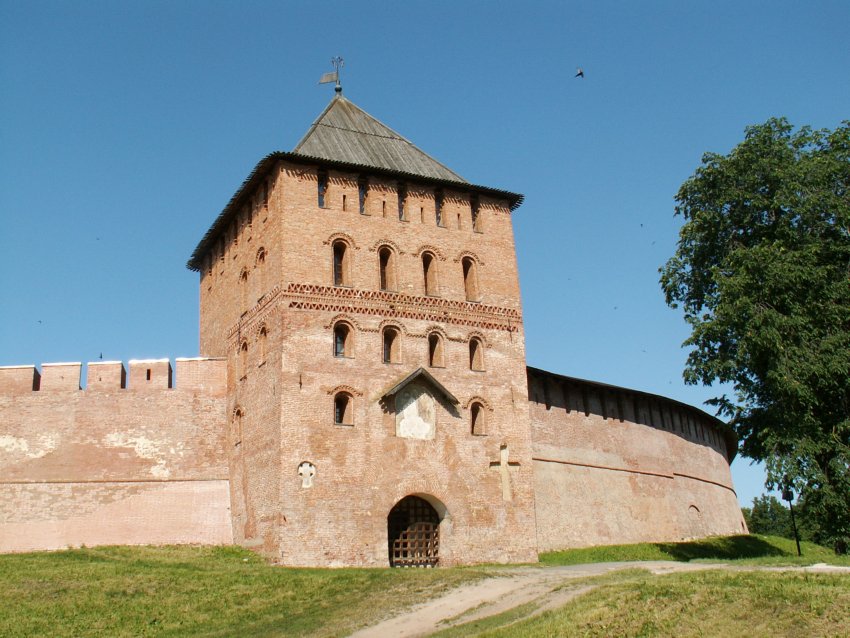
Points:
(391, 345)
(475, 207)
(386, 265)
(237, 427)
(343, 340)
(402, 201)
(478, 420)
(438, 207)
(262, 338)
(429, 272)
(435, 350)
(470, 278)
(243, 289)
(243, 359)
(362, 194)
(322, 188)
(341, 265)
(476, 354)
(343, 409)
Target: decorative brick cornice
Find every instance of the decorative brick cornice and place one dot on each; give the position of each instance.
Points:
(381, 303)
(378, 303)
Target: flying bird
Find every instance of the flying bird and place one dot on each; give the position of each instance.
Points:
(579, 73)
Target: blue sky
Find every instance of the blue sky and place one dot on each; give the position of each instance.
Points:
(125, 127)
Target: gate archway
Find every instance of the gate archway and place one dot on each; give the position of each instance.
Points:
(413, 533)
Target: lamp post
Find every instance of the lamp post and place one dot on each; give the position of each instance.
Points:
(788, 495)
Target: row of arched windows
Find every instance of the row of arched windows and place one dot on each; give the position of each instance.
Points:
(343, 413)
(388, 277)
(343, 346)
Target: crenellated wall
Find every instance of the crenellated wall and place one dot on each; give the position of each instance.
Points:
(613, 466)
(132, 459)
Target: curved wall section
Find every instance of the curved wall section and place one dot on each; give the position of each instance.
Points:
(613, 466)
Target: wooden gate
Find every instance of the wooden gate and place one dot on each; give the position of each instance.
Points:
(413, 529)
(417, 546)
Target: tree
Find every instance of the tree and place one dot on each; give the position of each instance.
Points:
(768, 516)
(762, 273)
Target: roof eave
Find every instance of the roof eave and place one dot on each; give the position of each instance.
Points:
(515, 200)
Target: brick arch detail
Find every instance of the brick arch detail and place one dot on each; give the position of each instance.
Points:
(344, 388)
(429, 248)
(478, 399)
(468, 253)
(348, 239)
(376, 246)
(343, 318)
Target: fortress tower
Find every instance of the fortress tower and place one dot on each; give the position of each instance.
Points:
(362, 397)
(366, 298)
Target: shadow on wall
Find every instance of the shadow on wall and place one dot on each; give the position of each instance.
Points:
(727, 548)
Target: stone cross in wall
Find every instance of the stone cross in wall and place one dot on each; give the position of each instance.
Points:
(503, 466)
(306, 471)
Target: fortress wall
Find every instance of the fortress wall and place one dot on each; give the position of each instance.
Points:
(617, 466)
(111, 463)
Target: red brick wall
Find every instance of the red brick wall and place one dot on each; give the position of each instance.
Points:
(285, 398)
(111, 464)
(614, 466)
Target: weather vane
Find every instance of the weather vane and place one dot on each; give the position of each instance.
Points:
(333, 76)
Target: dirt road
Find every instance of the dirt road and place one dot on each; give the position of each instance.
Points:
(509, 588)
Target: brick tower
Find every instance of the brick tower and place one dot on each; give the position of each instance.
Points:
(367, 301)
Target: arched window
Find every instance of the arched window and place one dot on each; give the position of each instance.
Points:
(470, 278)
(478, 420)
(243, 359)
(341, 264)
(429, 272)
(386, 265)
(362, 194)
(237, 427)
(262, 337)
(435, 350)
(476, 354)
(322, 187)
(391, 345)
(402, 200)
(243, 289)
(343, 340)
(343, 409)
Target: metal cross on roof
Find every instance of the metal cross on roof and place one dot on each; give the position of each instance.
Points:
(333, 76)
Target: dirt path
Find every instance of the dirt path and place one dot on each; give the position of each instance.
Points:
(512, 587)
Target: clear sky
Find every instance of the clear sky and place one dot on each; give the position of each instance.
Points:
(125, 127)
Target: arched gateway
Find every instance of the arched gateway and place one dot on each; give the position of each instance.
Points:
(413, 533)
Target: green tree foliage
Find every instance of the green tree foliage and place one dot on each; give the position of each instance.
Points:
(768, 516)
(762, 273)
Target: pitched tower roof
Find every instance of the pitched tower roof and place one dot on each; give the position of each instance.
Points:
(347, 138)
(346, 133)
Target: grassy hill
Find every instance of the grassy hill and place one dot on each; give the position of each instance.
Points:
(227, 591)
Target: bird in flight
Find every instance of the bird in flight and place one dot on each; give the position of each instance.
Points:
(579, 73)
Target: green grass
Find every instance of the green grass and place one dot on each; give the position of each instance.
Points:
(227, 591)
(748, 550)
(198, 591)
(706, 604)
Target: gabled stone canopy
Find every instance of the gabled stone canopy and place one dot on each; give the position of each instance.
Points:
(422, 375)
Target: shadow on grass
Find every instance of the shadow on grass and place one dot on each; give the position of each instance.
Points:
(728, 548)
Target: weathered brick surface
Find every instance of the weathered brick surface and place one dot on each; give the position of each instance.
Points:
(615, 466)
(114, 465)
(212, 452)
